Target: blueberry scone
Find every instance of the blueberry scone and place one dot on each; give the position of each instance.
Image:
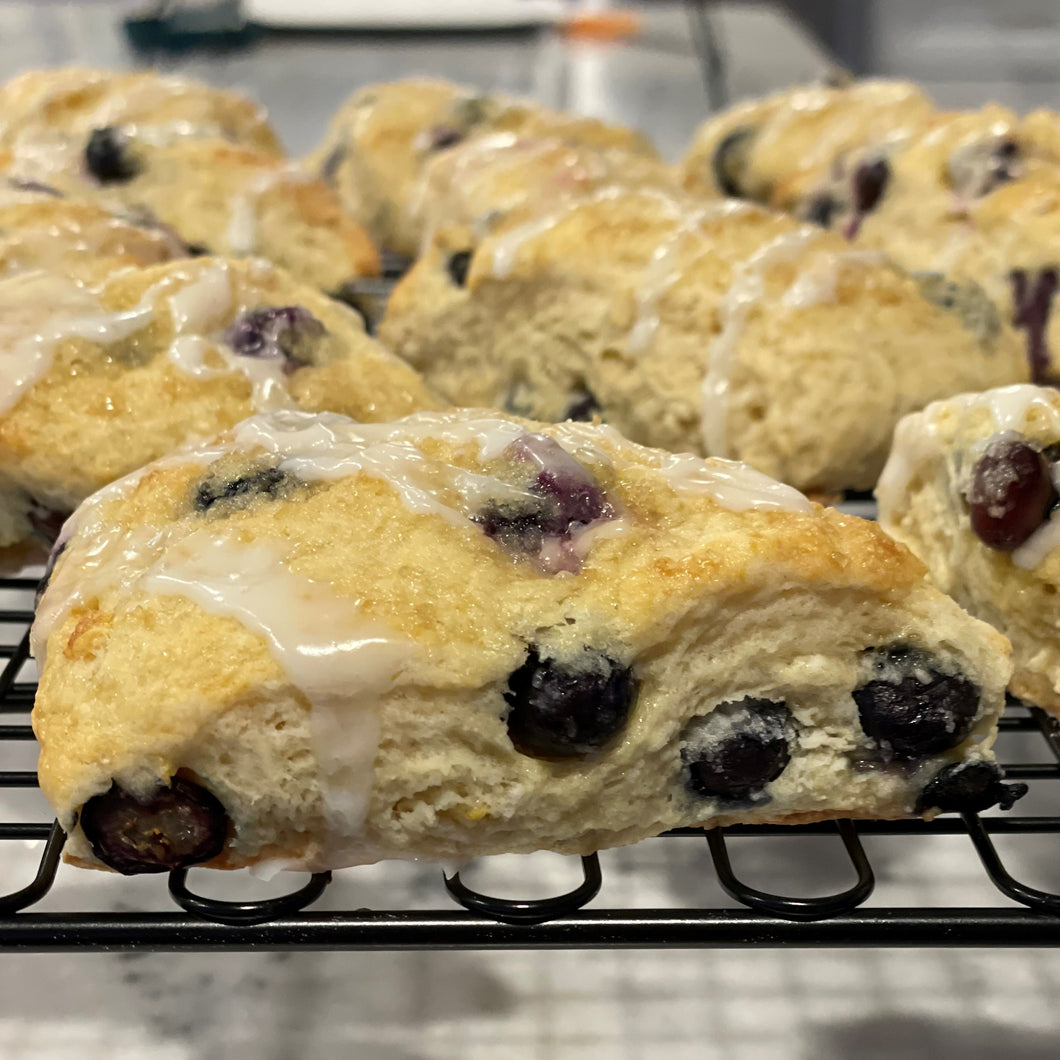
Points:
(381, 139)
(42, 229)
(99, 377)
(220, 198)
(507, 177)
(726, 330)
(58, 111)
(973, 488)
(316, 643)
(780, 149)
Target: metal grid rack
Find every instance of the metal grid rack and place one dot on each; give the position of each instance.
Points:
(759, 918)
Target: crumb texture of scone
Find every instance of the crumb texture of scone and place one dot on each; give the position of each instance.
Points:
(101, 374)
(971, 487)
(382, 139)
(316, 643)
(720, 328)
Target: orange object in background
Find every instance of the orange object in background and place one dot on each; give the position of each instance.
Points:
(602, 25)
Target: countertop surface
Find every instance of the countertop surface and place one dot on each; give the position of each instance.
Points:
(758, 1003)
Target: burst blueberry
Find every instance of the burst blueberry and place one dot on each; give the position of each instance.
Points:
(1032, 300)
(108, 156)
(172, 827)
(570, 708)
(457, 267)
(290, 333)
(968, 787)
(911, 708)
(235, 493)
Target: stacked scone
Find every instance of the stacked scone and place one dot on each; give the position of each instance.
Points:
(307, 618)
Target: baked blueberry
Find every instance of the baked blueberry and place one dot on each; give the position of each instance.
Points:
(570, 708)
(729, 161)
(457, 266)
(517, 527)
(1011, 493)
(577, 497)
(108, 156)
(287, 332)
(738, 748)
(977, 168)
(821, 209)
(966, 299)
(443, 136)
(968, 787)
(912, 709)
(869, 183)
(1032, 301)
(235, 493)
(583, 406)
(174, 826)
(46, 522)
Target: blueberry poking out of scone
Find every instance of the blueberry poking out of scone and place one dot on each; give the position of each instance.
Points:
(108, 156)
(912, 709)
(729, 161)
(457, 266)
(1032, 301)
(560, 498)
(1011, 492)
(172, 827)
(570, 708)
(287, 332)
(968, 787)
(738, 748)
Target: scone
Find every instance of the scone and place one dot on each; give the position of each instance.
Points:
(728, 330)
(774, 150)
(380, 140)
(505, 177)
(99, 378)
(42, 229)
(972, 488)
(220, 198)
(318, 643)
(59, 110)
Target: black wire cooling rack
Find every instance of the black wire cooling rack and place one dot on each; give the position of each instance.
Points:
(1032, 918)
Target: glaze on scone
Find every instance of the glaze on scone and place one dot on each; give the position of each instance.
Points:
(43, 229)
(380, 141)
(971, 488)
(318, 643)
(59, 110)
(778, 149)
(723, 329)
(97, 378)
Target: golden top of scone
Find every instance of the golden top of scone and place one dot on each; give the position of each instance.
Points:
(773, 149)
(41, 229)
(98, 377)
(69, 104)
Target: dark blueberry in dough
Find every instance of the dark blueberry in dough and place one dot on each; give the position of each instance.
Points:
(239, 492)
(968, 787)
(1032, 301)
(182, 824)
(518, 527)
(1010, 494)
(457, 266)
(576, 495)
(197, 250)
(568, 709)
(46, 522)
(869, 183)
(443, 136)
(822, 209)
(583, 407)
(966, 299)
(287, 332)
(910, 708)
(108, 157)
(737, 748)
(730, 161)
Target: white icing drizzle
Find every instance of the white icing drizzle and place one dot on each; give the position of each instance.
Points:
(506, 246)
(342, 662)
(747, 289)
(26, 345)
(916, 438)
(733, 485)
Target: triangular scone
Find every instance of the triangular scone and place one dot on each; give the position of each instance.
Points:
(52, 109)
(98, 378)
(324, 643)
(727, 329)
(972, 488)
(383, 137)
